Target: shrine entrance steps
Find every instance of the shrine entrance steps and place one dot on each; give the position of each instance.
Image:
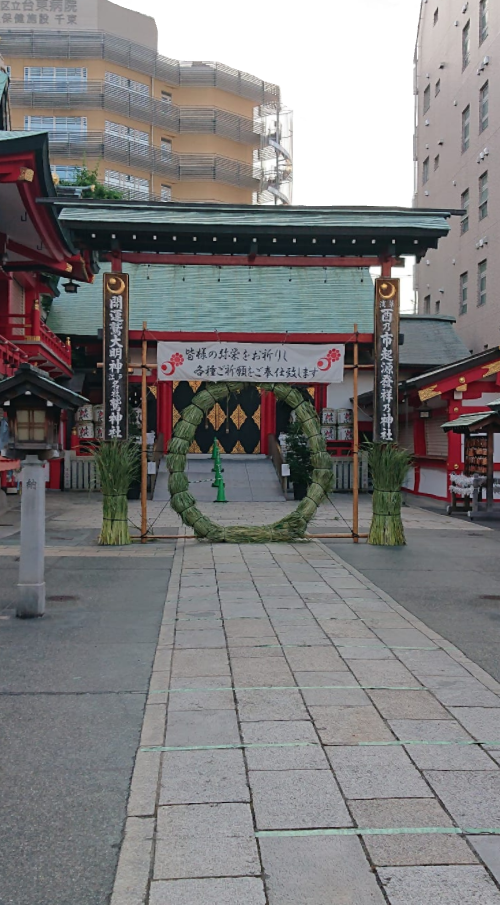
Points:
(247, 478)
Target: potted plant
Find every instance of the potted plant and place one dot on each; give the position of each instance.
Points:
(298, 457)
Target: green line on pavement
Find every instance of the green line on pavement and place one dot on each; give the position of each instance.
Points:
(229, 747)
(386, 831)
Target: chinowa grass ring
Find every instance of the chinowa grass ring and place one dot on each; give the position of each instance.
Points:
(293, 526)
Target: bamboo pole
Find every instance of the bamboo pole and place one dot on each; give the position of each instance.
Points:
(355, 477)
(144, 429)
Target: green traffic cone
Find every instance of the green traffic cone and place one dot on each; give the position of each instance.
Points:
(217, 476)
(215, 449)
(221, 491)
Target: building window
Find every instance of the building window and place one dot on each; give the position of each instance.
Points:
(427, 304)
(464, 223)
(427, 98)
(436, 162)
(481, 282)
(66, 174)
(166, 148)
(166, 97)
(55, 78)
(436, 15)
(166, 193)
(484, 107)
(466, 129)
(437, 89)
(57, 126)
(425, 171)
(483, 21)
(437, 306)
(466, 45)
(129, 185)
(464, 292)
(119, 81)
(483, 196)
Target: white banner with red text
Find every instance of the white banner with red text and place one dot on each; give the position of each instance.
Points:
(251, 362)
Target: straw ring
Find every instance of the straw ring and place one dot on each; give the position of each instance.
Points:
(292, 527)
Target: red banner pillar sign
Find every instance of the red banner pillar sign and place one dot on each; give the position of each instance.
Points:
(385, 420)
(115, 355)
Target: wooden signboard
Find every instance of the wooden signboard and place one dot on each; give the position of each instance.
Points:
(115, 355)
(385, 416)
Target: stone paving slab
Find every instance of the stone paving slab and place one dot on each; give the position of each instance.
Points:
(263, 632)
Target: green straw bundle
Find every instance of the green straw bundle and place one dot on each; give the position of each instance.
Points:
(118, 464)
(388, 464)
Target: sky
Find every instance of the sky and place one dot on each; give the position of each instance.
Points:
(344, 68)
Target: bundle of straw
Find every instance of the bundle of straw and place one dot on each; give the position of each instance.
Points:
(118, 464)
(389, 464)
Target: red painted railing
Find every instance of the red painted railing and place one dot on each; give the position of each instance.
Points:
(10, 357)
(21, 328)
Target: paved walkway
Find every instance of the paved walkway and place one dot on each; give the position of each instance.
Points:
(307, 741)
(247, 479)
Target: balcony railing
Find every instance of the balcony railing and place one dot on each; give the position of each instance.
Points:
(98, 45)
(94, 94)
(177, 167)
(23, 329)
(11, 357)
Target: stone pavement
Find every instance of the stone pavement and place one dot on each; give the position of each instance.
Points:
(247, 479)
(307, 741)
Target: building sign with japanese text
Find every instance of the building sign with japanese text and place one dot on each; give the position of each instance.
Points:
(115, 356)
(53, 14)
(385, 420)
(251, 362)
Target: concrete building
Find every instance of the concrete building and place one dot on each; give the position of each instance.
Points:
(457, 162)
(89, 73)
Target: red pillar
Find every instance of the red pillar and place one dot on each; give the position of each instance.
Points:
(164, 419)
(454, 463)
(267, 419)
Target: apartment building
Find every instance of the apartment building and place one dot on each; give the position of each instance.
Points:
(89, 73)
(457, 162)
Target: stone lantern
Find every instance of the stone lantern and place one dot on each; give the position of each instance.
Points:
(34, 403)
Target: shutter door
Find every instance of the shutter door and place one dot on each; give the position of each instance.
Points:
(436, 441)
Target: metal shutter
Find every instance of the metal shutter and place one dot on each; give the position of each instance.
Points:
(436, 441)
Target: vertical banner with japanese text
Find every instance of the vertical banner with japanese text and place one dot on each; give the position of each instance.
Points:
(115, 355)
(385, 420)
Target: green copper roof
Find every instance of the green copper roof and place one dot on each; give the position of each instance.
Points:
(229, 299)
(464, 422)
(279, 217)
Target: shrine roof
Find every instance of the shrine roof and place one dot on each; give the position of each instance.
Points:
(229, 299)
(29, 378)
(242, 229)
(430, 341)
(460, 366)
(464, 424)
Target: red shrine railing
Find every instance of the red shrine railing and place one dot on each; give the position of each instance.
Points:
(10, 357)
(29, 329)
